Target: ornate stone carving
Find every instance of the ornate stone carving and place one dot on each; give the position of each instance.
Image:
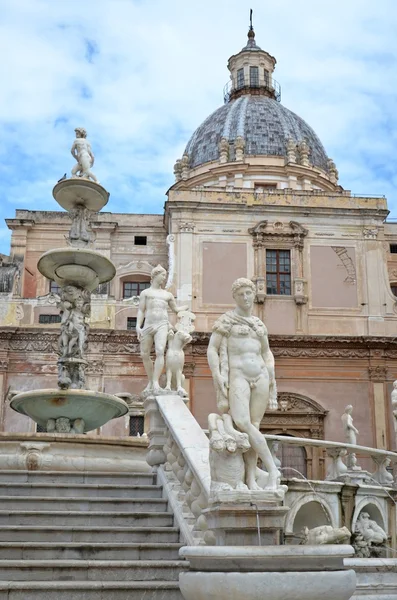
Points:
(75, 308)
(239, 147)
(292, 233)
(371, 533)
(382, 475)
(332, 171)
(185, 167)
(299, 291)
(326, 534)
(34, 456)
(3, 364)
(304, 152)
(260, 284)
(175, 359)
(186, 227)
(370, 233)
(337, 468)
(82, 152)
(178, 170)
(80, 233)
(65, 425)
(94, 367)
(295, 413)
(223, 147)
(291, 151)
(227, 447)
(377, 373)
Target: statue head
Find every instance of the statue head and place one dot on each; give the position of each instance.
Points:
(63, 425)
(158, 273)
(243, 292)
(80, 132)
(349, 409)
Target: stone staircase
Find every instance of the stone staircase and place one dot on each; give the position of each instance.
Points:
(86, 536)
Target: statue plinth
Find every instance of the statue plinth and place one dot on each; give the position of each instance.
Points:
(79, 192)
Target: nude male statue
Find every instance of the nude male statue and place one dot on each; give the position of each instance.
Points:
(153, 309)
(242, 367)
(81, 151)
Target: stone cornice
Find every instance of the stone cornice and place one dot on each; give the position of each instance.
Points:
(103, 341)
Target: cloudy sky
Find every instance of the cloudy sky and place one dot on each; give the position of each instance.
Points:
(141, 75)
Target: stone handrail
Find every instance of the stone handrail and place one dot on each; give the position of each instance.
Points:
(179, 449)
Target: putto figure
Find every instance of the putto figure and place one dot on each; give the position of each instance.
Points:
(242, 367)
(153, 309)
(81, 151)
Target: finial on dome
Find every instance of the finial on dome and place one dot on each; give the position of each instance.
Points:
(251, 32)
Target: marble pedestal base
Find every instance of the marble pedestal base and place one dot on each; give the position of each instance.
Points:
(246, 524)
(284, 572)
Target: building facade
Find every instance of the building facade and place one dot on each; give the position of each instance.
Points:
(255, 196)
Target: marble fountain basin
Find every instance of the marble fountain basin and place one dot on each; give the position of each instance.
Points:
(76, 266)
(95, 408)
(271, 572)
(78, 192)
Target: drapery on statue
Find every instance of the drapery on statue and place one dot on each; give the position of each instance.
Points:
(82, 152)
(153, 309)
(242, 367)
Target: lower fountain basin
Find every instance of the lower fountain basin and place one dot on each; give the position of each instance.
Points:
(95, 408)
(72, 266)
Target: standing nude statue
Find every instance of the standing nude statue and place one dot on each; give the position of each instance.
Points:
(242, 367)
(153, 309)
(81, 151)
(351, 432)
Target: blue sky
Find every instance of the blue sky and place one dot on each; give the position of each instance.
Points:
(140, 76)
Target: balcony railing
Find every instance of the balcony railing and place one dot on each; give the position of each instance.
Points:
(268, 87)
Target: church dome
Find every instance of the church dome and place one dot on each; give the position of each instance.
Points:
(265, 126)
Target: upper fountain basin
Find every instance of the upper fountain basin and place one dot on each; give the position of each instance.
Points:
(76, 266)
(75, 192)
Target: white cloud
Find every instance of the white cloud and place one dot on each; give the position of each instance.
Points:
(141, 76)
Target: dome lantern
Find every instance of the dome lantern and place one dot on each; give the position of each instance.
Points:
(251, 72)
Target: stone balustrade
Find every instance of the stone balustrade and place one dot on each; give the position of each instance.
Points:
(338, 470)
(179, 449)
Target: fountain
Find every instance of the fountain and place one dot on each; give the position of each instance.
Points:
(78, 269)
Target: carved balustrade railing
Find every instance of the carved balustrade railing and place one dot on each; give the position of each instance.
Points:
(344, 463)
(179, 449)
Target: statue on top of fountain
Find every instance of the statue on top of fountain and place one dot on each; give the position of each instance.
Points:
(82, 152)
(242, 367)
(153, 328)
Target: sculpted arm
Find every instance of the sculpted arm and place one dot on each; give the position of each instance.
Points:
(214, 345)
(74, 150)
(172, 304)
(268, 358)
(141, 314)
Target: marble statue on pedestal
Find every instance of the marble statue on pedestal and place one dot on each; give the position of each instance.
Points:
(82, 152)
(154, 303)
(175, 359)
(351, 434)
(242, 367)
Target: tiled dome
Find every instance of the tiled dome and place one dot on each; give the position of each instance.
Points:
(264, 124)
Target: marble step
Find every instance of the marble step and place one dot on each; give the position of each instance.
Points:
(96, 519)
(86, 490)
(83, 504)
(70, 477)
(88, 551)
(91, 570)
(90, 590)
(85, 534)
